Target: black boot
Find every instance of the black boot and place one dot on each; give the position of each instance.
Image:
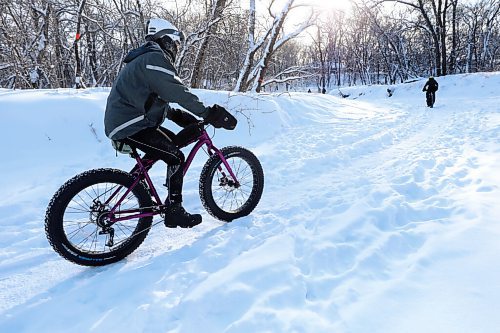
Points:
(176, 216)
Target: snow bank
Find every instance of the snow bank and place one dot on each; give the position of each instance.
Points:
(455, 87)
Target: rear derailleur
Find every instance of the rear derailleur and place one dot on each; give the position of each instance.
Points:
(98, 210)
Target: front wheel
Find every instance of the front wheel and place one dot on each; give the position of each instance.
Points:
(226, 198)
(77, 222)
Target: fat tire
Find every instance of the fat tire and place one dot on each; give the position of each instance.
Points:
(208, 173)
(55, 212)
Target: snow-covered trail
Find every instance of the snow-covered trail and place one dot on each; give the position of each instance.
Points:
(375, 208)
(358, 207)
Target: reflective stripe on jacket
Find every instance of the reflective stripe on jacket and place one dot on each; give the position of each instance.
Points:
(140, 95)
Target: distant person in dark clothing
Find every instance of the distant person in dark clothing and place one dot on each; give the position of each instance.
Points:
(431, 86)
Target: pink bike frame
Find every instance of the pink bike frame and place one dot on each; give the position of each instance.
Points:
(140, 172)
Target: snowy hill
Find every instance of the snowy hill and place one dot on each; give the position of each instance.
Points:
(378, 215)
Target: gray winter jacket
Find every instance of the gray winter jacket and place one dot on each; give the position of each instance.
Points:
(141, 93)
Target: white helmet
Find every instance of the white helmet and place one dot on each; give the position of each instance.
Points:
(158, 28)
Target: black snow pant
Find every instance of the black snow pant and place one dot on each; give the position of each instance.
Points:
(430, 97)
(157, 143)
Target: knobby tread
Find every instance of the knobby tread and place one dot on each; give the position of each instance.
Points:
(57, 206)
(207, 175)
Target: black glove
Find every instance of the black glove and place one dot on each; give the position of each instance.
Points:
(219, 117)
(181, 118)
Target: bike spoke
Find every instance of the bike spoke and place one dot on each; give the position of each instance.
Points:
(69, 235)
(77, 210)
(94, 242)
(243, 199)
(84, 240)
(69, 223)
(122, 226)
(102, 196)
(227, 196)
(83, 206)
(90, 204)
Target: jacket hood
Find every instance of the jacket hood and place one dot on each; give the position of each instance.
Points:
(145, 48)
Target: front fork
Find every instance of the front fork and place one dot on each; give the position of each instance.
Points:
(225, 181)
(211, 150)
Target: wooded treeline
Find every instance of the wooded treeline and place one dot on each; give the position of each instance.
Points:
(241, 46)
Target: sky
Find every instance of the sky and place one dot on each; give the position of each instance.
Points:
(378, 215)
(303, 11)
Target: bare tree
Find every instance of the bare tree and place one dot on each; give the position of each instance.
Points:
(434, 14)
(78, 73)
(276, 40)
(78, 43)
(215, 17)
(252, 48)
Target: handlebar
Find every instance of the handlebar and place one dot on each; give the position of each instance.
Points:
(204, 122)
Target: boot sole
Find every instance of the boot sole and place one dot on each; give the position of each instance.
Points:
(182, 226)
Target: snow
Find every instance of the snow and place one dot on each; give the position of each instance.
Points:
(378, 215)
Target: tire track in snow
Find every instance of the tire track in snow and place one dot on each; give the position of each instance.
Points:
(393, 187)
(324, 254)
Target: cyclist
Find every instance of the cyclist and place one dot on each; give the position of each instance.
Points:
(139, 102)
(430, 87)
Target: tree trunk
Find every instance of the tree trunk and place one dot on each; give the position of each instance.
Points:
(78, 73)
(92, 53)
(453, 51)
(196, 76)
(274, 44)
(242, 82)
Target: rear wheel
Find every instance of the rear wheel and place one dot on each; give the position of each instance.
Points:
(77, 220)
(226, 198)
